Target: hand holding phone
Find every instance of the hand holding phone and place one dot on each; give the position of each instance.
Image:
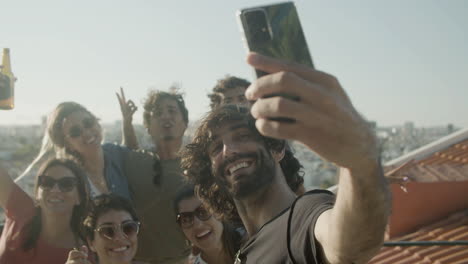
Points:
(275, 31)
(325, 119)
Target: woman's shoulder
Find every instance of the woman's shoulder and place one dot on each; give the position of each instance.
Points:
(112, 147)
(116, 149)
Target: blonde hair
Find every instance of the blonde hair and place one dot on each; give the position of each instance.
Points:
(53, 142)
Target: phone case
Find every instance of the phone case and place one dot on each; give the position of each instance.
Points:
(275, 31)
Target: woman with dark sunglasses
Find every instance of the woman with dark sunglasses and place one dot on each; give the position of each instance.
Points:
(74, 132)
(212, 241)
(110, 229)
(43, 230)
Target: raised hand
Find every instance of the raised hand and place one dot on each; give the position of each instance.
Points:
(78, 256)
(128, 108)
(325, 119)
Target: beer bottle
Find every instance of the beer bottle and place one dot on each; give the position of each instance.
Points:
(7, 82)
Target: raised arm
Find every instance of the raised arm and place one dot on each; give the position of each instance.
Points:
(6, 186)
(353, 231)
(327, 122)
(128, 108)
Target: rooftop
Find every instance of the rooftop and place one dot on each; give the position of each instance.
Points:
(454, 227)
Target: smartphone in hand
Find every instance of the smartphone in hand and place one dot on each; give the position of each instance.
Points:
(274, 31)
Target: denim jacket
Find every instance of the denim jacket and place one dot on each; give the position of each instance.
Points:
(114, 171)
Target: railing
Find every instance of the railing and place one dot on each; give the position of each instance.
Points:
(425, 243)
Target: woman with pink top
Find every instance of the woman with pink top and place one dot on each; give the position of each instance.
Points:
(43, 229)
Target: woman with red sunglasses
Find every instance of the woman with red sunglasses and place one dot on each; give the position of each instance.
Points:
(43, 230)
(110, 230)
(212, 240)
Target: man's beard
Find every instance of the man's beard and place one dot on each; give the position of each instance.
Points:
(248, 184)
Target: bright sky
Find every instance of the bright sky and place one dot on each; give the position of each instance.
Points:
(398, 60)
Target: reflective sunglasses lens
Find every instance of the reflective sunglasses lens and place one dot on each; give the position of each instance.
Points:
(202, 214)
(88, 122)
(66, 184)
(46, 182)
(107, 232)
(130, 228)
(74, 132)
(185, 219)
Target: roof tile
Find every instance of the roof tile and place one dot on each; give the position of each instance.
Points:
(453, 227)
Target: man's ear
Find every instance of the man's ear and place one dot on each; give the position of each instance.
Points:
(278, 155)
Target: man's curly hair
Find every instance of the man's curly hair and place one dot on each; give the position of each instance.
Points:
(155, 97)
(222, 85)
(196, 162)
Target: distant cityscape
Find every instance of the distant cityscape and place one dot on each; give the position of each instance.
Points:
(21, 144)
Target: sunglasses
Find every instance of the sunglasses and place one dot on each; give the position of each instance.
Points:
(65, 184)
(76, 131)
(128, 228)
(185, 219)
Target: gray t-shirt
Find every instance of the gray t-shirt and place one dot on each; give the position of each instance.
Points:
(270, 243)
(160, 239)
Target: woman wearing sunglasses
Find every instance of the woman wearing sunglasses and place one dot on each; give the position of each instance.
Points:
(43, 230)
(212, 240)
(110, 230)
(74, 132)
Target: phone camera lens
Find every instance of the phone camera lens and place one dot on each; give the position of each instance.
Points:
(258, 26)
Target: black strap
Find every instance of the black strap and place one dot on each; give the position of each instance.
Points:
(288, 236)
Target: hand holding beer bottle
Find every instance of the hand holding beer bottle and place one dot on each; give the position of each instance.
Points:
(7, 83)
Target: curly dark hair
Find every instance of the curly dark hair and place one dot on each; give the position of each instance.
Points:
(196, 162)
(154, 97)
(222, 85)
(100, 205)
(292, 169)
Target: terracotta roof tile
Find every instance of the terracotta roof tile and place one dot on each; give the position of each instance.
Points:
(448, 164)
(454, 227)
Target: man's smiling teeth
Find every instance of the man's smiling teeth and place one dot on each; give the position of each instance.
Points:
(238, 166)
(120, 249)
(203, 233)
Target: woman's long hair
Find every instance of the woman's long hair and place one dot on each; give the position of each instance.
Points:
(33, 228)
(53, 142)
(231, 238)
